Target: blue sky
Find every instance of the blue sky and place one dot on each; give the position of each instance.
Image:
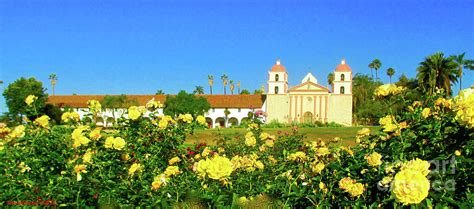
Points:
(137, 47)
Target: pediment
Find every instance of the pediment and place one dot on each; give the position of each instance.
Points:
(308, 87)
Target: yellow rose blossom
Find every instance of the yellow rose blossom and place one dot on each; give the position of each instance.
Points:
(457, 153)
(374, 159)
(70, 117)
(317, 167)
(153, 105)
(426, 112)
(250, 139)
(42, 121)
(87, 157)
(383, 90)
(186, 118)
(162, 124)
(174, 160)
(30, 99)
(172, 171)
(134, 112)
(363, 132)
(217, 168)
(252, 126)
(201, 120)
(95, 134)
(410, 187)
(355, 190)
(322, 151)
(94, 106)
(269, 143)
(419, 165)
(206, 152)
(1, 146)
(135, 168)
(298, 156)
(388, 123)
(18, 132)
(464, 107)
(345, 182)
(322, 187)
(159, 181)
(78, 169)
(23, 167)
(115, 143)
(259, 165)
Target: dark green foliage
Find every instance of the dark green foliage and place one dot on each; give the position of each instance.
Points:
(16, 93)
(184, 103)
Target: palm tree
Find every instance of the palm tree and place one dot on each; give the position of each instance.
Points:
(437, 71)
(390, 73)
(224, 82)
(199, 90)
(210, 79)
(371, 66)
(461, 62)
(331, 81)
(231, 86)
(376, 64)
(238, 87)
(159, 92)
(53, 79)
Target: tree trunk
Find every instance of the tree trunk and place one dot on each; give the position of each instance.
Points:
(225, 90)
(210, 87)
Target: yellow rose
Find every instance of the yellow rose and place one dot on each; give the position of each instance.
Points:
(134, 112)
(217, 168)
(80, 169)
(173, 160)
(109, 142)
(410, 187)
(298, 156)
(322, 187)
(388, 123)
(136, 167)
(18, 132)
(87, 158)
(269, 143)
(94, 106)
(457, 153)
(356, 189)
(159, 181)
(201, 120)
(363, 132)
(322, 151)
(464, 107)
(119, 143)
(259, 165)
(42, 121)
(95, 134)
(383, 90)
(345, 182)
(30, 99)
(426, 112)
(250, 139)
(317, 167)
(152, 105)
(419, 165)
(70, 116)
(23, 167)
(187, 118)
(374, 159)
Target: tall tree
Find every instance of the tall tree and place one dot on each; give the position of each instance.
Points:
(224, 79)
(390, 73)
(375, 64)
(437, 71)
(15, 95)
(331, 81)
(245, 91)
(238, 87)
(462, 63)
(53, 79)
(210, 80)
(183, 103)
(199, 90)
(231, 86)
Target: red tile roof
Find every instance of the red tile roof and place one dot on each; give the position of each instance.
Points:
(216, 101)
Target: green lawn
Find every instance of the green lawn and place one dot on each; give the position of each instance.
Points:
(347, 134)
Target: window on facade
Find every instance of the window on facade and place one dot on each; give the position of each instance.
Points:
(277, 77)
(213, 109)
(276, 89)
(239, 110)
(342, 77)
(342, 89)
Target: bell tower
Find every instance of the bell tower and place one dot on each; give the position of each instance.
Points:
(343, 79)
(277, 79)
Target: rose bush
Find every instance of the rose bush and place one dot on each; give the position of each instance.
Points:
(419, 157)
